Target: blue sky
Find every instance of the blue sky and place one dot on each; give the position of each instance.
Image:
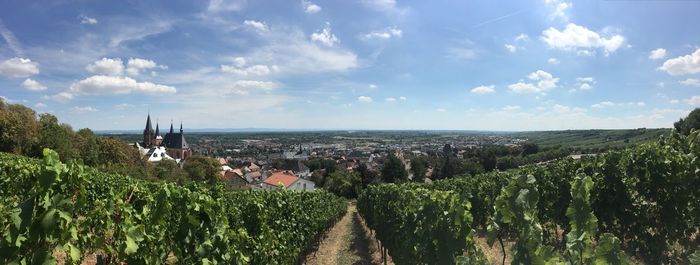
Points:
(366, 64)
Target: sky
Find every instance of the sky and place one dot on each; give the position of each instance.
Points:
(356, 64)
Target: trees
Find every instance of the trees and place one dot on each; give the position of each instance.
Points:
(19, 130)
(169, 170)
(684, 126)
(393, 170)
(343, 183)
(530, 148)
(202, 168)
(418, 168)
(367, 175)
(58, 137)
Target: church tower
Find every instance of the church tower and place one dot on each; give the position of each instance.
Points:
(149, 136)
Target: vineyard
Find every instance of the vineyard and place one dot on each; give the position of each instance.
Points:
(52, 209)
(642, 201)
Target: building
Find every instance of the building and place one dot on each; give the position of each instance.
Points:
(288, 181)
(173, 144)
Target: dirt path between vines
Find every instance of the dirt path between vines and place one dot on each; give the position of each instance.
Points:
(349, 242)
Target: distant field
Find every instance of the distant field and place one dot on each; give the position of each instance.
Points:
(593, 138)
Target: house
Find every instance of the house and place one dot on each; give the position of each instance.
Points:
(233, 179)
(287, 180)
(296, 166)
(155, 154)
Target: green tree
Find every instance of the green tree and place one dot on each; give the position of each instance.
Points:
(86, 144)
(418, 168)
(691, 122)
(56, 136)
(393, 170)
(169, 170)
(530, 148)
(343, 183)
(19, 130)
(367, 176)
(202, 168)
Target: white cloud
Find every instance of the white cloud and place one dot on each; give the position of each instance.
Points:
(309, 7)
(256, 25)
(384, 34)
(390, 99)
(134, 65)
(560, 9)
(604, 104)
(690, 82)
(101, 84)
(292, 51)
(245, 87)
(609, 104)
(372, 86)
(522, 37)
(40, 105)
(585, 79)
(364, 99)
(10, 39)
(381, 5)
(585, 83)
(239, 61)
(545, 82)
(484, 89)
(106, 66)
(521, 87)
(687, 64)
(402, 98)
(511, 108)
(62, 96)
(122, 106)
(694, 101)
(511, 48)
(83, 109)
(585, 86)
(325, 36)
(553, 61)
(581, 39)
(87, 20)
(33, 85)
(441, 110)
(18, 67)
(257, 69)
(226, 5)
(659, 53)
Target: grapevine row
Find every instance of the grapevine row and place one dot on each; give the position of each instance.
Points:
(49, 207)
(644, 199)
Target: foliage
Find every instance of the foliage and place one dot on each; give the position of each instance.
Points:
(343, 183)
(202, 168)
(393, 170)
(76, 210)
(418, 168)
(692, 121)
(420, 226)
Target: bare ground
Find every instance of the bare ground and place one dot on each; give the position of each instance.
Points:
(349, 242)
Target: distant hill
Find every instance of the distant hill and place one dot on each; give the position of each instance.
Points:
(593, 138)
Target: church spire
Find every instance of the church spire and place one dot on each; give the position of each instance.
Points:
(180, 127)
(149, 128)
(157, 129)
(171, 126)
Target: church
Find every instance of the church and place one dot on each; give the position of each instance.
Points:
(156, 147)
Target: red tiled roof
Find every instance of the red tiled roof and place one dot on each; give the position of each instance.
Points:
(229, 175)
(285, 178)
